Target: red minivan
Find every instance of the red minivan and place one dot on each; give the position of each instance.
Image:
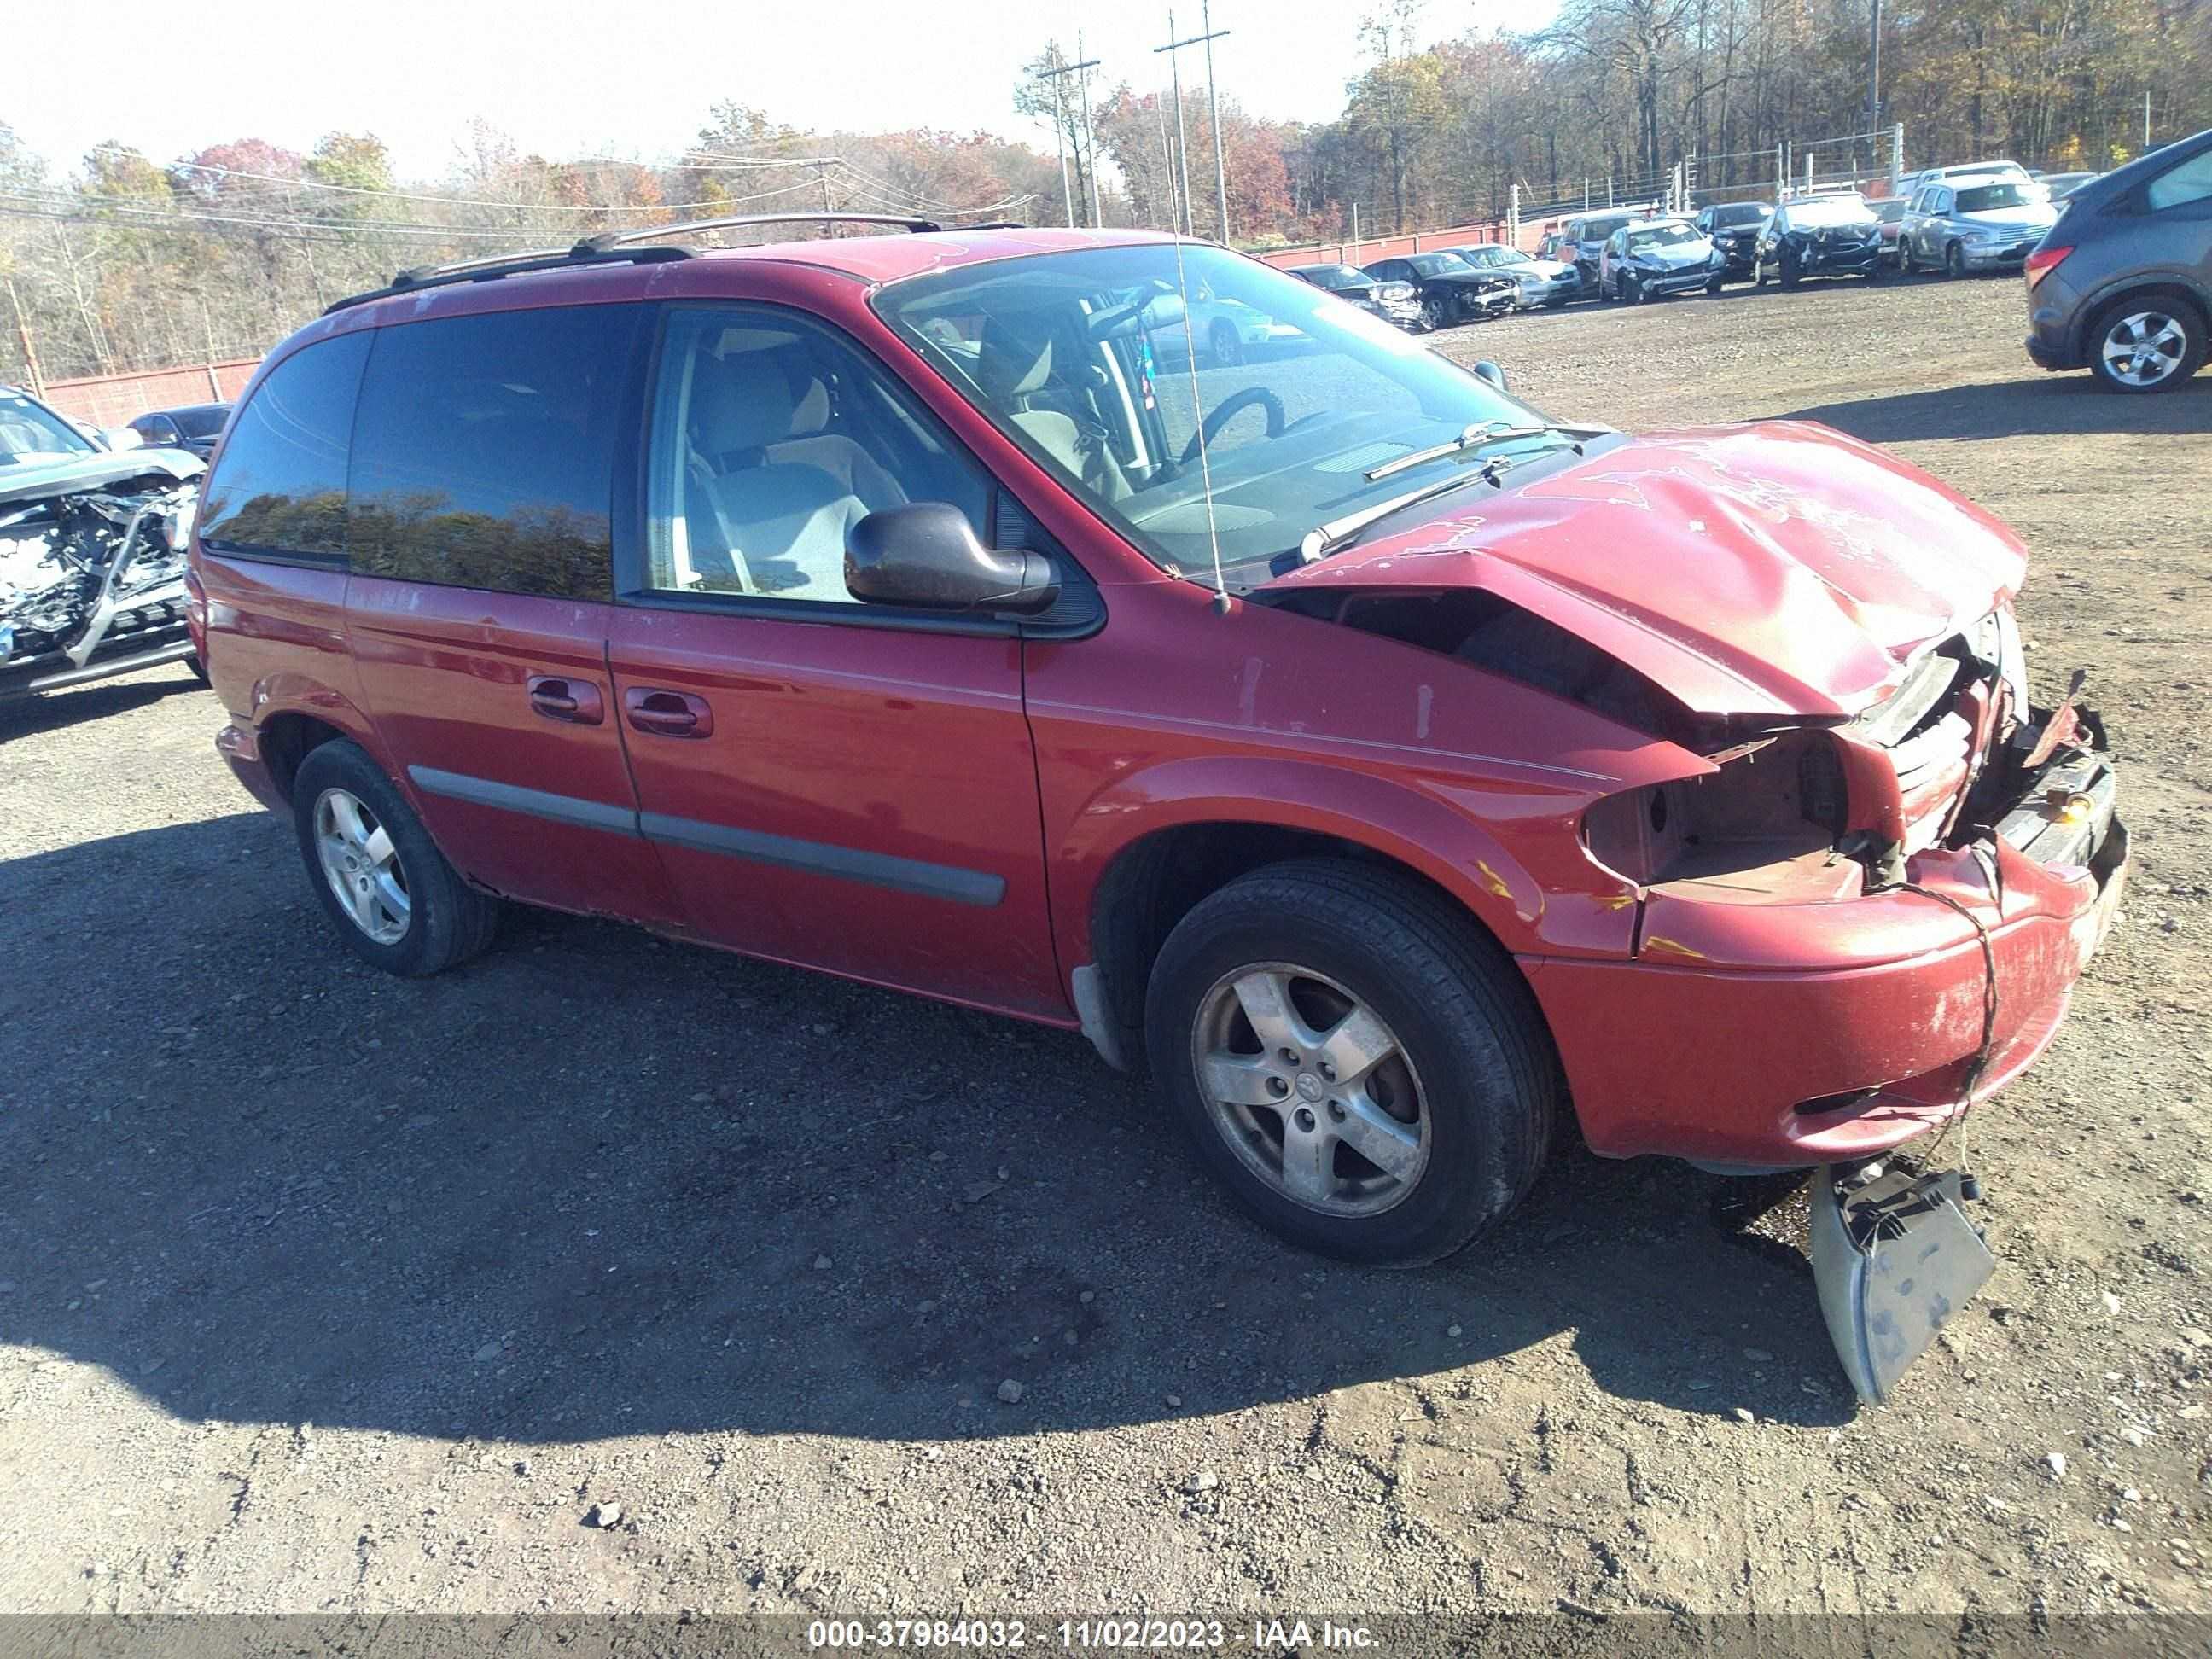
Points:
(1385, 765)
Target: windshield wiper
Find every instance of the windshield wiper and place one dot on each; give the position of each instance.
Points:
(1482, 433)
(1338, 533)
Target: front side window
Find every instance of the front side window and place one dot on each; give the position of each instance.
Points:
(1437, 264)
(30, 431)
(2189, 182)
(1089, 362)
(281, 485)
(772, 437)
(483, 454)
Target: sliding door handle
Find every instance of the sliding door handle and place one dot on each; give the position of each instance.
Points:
(667, 713)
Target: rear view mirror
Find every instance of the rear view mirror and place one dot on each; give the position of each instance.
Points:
(926, 554)
(1489, 371)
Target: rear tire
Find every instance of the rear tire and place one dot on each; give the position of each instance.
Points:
(1467, 1075)
(407, 911)
(2156, 330)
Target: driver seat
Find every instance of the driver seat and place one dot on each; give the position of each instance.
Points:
(1014, 366)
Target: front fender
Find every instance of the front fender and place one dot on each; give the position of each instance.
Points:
(1509, 852)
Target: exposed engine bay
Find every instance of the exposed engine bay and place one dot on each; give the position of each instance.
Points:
(92, 571)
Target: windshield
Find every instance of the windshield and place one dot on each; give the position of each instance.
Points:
(1743, 213)
(1492, 254)
(1660, 236)
(1437, 264)
(1982, 198)
(1832, 211)
(30, 431)
(1086, 360)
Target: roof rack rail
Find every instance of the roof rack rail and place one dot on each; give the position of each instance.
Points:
(615, 238)
(644, 245)
(508, 265)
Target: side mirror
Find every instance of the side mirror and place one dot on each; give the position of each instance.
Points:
(926, 554)
(1486, 370)
(120, 438)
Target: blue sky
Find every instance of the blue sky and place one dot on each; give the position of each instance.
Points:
(567, 78)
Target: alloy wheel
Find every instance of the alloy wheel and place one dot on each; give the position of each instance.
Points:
(2143, 347)
(1311, 1089)
(361, 866)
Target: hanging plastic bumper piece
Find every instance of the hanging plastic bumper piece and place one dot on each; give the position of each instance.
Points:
(1894, 1259)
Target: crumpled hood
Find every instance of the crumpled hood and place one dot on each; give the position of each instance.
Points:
(1778, 569)
(72, 475)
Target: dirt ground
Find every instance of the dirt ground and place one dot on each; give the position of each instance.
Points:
(321, 1290)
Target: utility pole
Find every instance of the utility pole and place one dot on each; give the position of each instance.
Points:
(2146, 119)
(1166, 169)
(1213, 114)
(1182, 153)
(1873, 80)
(1060, 132)
(1090, 138)
(1207, 36)
(23, 333)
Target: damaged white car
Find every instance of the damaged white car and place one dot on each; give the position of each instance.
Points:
(91, 551)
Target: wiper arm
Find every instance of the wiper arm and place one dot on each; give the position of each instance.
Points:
(1326, 538)
(1472, 436)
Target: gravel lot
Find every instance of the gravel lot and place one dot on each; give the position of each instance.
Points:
(323, 1291)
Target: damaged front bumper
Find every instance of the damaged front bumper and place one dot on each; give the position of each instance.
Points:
(92, 584)
(1749, 1037)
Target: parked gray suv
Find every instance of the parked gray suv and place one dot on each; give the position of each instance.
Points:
(2122, 284)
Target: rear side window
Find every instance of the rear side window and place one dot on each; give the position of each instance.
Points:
(484, 455)
(281, 488)
(2189, 182)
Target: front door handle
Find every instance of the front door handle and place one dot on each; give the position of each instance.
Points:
(667, 713)
(576, 702)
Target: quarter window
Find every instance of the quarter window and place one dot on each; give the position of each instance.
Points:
(2189, 182)
(771, 438)
(281, 487)
(483, 456)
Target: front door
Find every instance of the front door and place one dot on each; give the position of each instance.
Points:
(828, 783)
(478, 531)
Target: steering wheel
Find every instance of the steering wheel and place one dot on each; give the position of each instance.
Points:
(1228, 409)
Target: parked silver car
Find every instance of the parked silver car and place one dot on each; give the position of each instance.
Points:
(1979, 221)
(1544, 282)
(1652, 257)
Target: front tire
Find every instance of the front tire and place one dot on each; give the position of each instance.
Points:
(1221, 341)
(1355, 1059)
(1433, 315)
(1791, 276)
(1954, 261)
(386, 886)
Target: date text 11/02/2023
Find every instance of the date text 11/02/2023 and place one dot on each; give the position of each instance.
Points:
(1089, 1635)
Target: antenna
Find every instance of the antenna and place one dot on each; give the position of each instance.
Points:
(1197, 414)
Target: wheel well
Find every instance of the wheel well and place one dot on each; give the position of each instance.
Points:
(288, 740)
(1157, 880)
(2173, 291)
